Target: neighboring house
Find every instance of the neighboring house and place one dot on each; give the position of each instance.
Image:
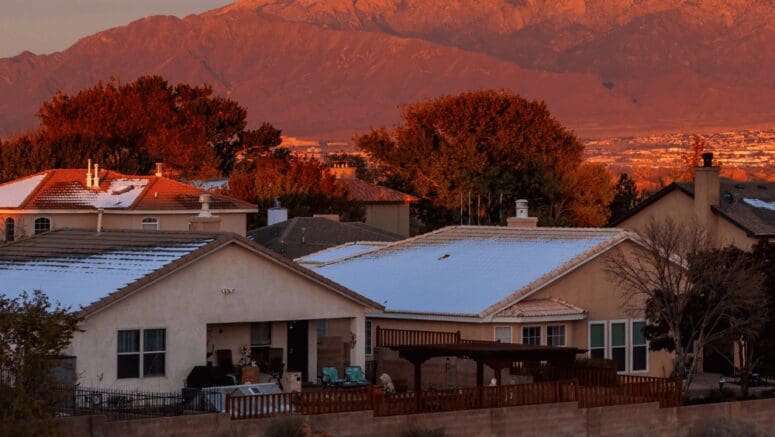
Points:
(82, 198)
(736, 213)
(302, 236)
(543, 286)
(386, 208)
(156, 304)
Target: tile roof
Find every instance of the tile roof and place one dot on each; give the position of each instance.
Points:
(88, 270)
(468, 270)
(367, 192)
(541, 308)
(749, 205)
(318, 233)
(339, 252)
(65, 189)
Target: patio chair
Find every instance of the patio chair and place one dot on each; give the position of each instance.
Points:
(330, 377)
(355, 376)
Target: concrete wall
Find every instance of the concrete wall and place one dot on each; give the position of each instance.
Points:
(189, 300)
(392, 217)
(24, 223)
(562, 419)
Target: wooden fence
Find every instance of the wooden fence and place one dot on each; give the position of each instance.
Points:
(406, 337)
(627, 390)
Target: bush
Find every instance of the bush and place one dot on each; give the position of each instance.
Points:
(725, 427)
(423, 432)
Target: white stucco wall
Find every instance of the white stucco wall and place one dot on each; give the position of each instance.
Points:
(185, 302)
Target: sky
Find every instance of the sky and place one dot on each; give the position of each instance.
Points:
(47, 26)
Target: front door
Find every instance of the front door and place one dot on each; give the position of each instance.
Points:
(298, 347)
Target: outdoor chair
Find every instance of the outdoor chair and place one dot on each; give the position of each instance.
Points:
(330, 377)
(355, 376)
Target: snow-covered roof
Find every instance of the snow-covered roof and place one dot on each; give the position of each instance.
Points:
(77, 281)
(13, 194)
(465, 270)
(339, 252)
(759, 203)
(121, 193)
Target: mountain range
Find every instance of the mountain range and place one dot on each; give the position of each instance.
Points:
(331, 68)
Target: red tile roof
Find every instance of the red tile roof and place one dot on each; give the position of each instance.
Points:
(66, 189)
(367, 192)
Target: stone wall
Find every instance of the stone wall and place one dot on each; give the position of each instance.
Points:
(562, 419)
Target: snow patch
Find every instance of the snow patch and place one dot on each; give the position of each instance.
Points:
(758, 203)
(13, 194)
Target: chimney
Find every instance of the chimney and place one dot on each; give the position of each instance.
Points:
(276, 214)
(343, 171)
(706, 192)
(205, 221)
(521, 219)
(96, 179)
(159, 170)
(88, 175)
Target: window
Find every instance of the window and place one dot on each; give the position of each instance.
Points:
(367, 343)
(555, 335)
(42, 224)
(639, 347)
(128, 354)
(597, 340)
(619, 345)
(531, 335)
(9, 229)
(261, 334)
(503, 334)
(322, 327)
(154, 345)
(150, 224)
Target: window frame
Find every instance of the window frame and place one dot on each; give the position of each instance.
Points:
(564, 334)
(632, 346)
(626, 345)
(147, 221)
(35, 225)
(6, 222)
(321, 325)
(141, 353)
(495, 333)
(604, 324)
(540, 334)
(137, 353)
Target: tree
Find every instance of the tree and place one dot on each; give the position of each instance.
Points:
(625, 197)
(128, 127)
(492, 144)
(692, 157)
(32, 333)
(691, 295)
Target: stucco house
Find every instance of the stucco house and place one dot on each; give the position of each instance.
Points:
(732, 213)
(158, 303)
(92, 197)
(386, 208)
(538, 286)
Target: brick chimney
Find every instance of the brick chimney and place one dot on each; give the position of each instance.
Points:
(521, 219)
(343, 171)
(706, 192)
(205, 221)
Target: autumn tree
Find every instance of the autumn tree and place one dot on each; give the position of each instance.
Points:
(129, 126)
(625, 197)
(692, 295)
(693, 157)
(33, 332)
(491, 145)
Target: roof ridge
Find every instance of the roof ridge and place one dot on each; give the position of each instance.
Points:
(292, 222)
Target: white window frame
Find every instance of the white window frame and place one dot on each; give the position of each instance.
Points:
(632, 346)
(605, 337)
(609, 342)
(50, 224)
(143, 223)
(564, 333)
(540, 333)
(495, 332)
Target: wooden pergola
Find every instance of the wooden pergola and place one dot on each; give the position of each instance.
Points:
(498, 356)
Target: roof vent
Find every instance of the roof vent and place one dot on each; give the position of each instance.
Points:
(707, 159)
(122, 189)
(204, 199)
(729, 197)
(445, 256)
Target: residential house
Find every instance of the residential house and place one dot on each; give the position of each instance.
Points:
(88, 198)
(386, 208)
(158, 303)
(538, 286)
(301, 236)
(732, 213)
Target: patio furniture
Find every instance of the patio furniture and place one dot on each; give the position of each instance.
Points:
(330, 377)
(354, 376)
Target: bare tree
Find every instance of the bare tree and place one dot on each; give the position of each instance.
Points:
(691, 294)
